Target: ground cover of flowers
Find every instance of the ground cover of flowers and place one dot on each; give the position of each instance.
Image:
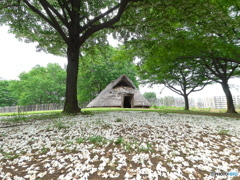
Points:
(120, 145)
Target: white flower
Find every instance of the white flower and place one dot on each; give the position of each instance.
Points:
(189, 170)
(18, 178)
(185, 163)
(127, 175)
(93, 170)
(191, 176)
(233, 157)
(114, 175)
(42, 174)
(172, 176)
(178, 159)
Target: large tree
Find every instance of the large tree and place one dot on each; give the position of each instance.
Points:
(222, 70)
(64, 27)
(207, 35)
(40, 85)
(182, 77)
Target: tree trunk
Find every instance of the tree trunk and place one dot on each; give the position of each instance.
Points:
(71, 103)
(186, 102)
(230, 105)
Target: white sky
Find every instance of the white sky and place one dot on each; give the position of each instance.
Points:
(16, 57)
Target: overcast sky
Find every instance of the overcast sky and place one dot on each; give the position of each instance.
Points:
(16, 57)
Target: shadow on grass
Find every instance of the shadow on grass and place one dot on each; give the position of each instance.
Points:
(27, 117)
(41, 115)
(205, 112)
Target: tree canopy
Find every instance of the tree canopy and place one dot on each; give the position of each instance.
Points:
(6, 96)
(64, 28)
(151, 97)
(99, 68)
(182, 77)
(40, 85)
(186, 28)
(186, 32)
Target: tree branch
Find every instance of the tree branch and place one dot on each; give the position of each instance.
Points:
(12, 5)
(63, 10)
(195, 90)
(173, 88)
(233, 69)
(46, 4)
(100, 17)
(94, 28)
(53, 22)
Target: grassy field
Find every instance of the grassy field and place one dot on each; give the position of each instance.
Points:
(162, 109)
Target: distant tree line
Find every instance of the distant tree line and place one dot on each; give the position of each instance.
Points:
(41, 85)
(162, 101)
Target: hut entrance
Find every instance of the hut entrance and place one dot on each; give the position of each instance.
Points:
(127, 101)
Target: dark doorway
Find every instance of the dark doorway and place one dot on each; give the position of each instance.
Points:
(127, 101)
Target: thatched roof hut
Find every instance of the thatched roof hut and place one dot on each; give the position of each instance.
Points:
(120, 93)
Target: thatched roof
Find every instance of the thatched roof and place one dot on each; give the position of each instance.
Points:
(120, 93)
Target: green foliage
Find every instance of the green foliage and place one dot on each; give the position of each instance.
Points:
(44, 150)
(119, 120)
(155, 106)
(181, 76)
(87, 113)
(17, 117)
(6, 96)
(151, 97)
(147, 148)
(59, 124)
(186, 45)
(98, 140)
(81, 140)
(119, 141)
(64, 28)
(10, 156)
(223, 132)
(99, 67)
(23, 116)
(40, 85)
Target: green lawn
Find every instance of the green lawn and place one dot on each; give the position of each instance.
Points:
(162, 109)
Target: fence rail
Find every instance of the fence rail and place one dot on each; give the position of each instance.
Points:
(35, 107)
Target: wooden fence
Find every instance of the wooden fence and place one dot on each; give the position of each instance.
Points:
(36, 107)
